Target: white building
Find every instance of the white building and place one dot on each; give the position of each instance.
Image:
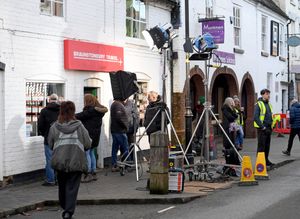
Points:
(38, 39)
(254, 54)
(33, 35)
(292, 9)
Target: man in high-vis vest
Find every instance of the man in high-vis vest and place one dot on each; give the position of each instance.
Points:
(263, 122)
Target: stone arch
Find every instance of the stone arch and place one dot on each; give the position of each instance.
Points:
(247, 97)
(223, 84)
(196, 86)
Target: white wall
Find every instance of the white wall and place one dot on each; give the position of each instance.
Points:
(32, 48)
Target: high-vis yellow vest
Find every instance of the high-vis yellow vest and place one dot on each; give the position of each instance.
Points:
(262, 114)
(239, 118)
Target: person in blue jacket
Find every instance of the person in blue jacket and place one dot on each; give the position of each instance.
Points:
(295, 125)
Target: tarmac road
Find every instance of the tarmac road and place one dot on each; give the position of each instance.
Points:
(278, 197)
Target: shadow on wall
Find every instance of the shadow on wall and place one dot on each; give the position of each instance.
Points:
(13, 145)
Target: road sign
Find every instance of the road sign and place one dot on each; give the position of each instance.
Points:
(293, 41)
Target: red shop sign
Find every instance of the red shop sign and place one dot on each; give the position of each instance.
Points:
(92, 56)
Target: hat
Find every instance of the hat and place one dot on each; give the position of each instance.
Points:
(294, 101)
(263, 91)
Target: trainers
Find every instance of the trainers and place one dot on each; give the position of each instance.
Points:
(286, 152)
(87, 178)
(48, 184)
(94, 176)
(115, 169)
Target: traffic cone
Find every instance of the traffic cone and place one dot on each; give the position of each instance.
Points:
(247, 177)
(260, 167)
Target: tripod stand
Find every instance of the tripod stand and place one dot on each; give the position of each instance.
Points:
(165, 116)
(208, 110)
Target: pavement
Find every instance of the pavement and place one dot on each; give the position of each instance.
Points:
(112, 188)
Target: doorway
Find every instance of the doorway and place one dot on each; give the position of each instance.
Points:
(95, 91)
(284, 100)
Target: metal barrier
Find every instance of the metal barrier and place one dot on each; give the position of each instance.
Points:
(282, 127)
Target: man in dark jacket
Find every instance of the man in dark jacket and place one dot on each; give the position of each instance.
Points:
(295, 125)
(118, 129)
(263, 123)
(154, 112)
(48, 116)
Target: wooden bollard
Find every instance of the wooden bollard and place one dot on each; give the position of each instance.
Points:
(159, 163)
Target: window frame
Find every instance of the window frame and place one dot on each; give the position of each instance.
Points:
(264, 27)
(281, 40)
(237, 26)
(209, 8)
(34, 102)
(133, 20)
(51, 7)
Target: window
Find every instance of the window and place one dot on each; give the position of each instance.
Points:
(135, 18)
(52, 7)
(142, 100)
(237, 25)
(264, 33)
(37, 94)
(209, 8)
(269, 80)
(281, 40)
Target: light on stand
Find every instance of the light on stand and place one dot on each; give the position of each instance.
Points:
(204, 43)
(158, 36)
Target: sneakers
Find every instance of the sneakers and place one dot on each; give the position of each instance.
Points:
(87, 178)
(48, 184)
(94, 176)
(115, 169)
(286, 152)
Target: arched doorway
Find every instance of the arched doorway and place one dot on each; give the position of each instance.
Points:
(223, 84)
(196, 88)
(248, 101)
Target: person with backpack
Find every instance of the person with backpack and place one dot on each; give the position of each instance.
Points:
(91, 118)
(69, 140)
(47, 117)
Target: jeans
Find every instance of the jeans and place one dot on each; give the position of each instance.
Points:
(91, 160)
(119, 142)
(50, 176)
(239, 136)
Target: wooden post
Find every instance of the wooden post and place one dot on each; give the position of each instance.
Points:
(159, 163)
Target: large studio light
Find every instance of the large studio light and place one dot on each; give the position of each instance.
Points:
(204, 43)
(158, 36)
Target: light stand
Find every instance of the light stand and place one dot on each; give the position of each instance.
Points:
(205, 53)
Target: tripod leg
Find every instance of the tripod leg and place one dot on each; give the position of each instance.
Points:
(198, 123)
(236, 151)
(176, 136)
(136, 163)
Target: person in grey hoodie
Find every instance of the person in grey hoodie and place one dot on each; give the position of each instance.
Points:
(69, 140)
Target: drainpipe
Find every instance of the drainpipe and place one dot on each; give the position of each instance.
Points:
(288, 64)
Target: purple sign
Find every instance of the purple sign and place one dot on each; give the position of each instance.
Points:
(215, 28)
(225, 57)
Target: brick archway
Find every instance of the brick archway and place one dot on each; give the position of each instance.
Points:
(223, 84)
(196, 86)
(247, 97)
